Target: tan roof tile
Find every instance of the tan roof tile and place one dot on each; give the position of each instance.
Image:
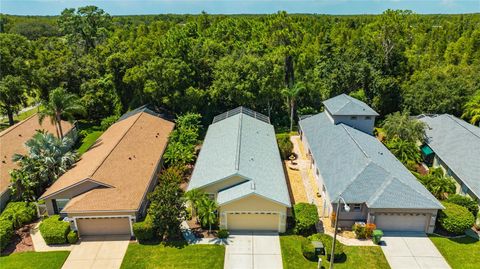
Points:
(125, 158)
(12, 141)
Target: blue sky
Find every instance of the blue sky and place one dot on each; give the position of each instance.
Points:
(129, 7)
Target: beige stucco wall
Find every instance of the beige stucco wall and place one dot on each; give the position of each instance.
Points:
(254, 203)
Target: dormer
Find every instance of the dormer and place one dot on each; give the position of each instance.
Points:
(350, 111)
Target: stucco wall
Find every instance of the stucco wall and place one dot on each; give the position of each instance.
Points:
(361, 122)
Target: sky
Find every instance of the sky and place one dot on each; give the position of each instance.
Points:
(336, 7)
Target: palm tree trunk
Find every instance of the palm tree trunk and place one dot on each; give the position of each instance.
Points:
(59, 122)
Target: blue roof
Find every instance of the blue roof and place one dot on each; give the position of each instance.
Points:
(361, 169)
(344, 105)
(457, 144)
(241, 145)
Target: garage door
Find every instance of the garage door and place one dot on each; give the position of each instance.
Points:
(103, 226)
(253, 221)
(402, 222)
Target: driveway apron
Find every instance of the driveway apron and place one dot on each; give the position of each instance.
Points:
(412, 251)
(253, 250)
(98, 252)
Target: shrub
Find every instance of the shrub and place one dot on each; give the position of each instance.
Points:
(306, 216)
(284, 145)
(308, 250)
(455, 219)
(144, 230)
(369, 228)
(222, 233)
(54, 231)
(327, 241)
(72, 237)
(19, 213)
(6, 233)
(464, 201)
(359, 230)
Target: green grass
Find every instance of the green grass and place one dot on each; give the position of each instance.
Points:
(88, 141)
(33, 260)
(356, 257)
(175, 255)
(461, 252)
(4, 122)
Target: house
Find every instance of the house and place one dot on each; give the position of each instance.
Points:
(12, 141)
(351, 163)
(105, 192)
(454, 145)
(239, 166)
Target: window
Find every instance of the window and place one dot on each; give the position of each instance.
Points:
(368, 117)
(59, 204)
(318, 172)
(357, 207)
(211, 196)
(353, 117)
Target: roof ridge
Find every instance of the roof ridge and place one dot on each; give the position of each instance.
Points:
(454, 120)
(15, 126)
(116, 144)
(355, 141)
(355, 177)
(239, 142)
(381, 189)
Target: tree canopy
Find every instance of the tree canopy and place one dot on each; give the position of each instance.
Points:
(210, 63)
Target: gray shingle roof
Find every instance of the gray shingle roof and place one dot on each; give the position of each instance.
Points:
(457, 143)
(241, 145)
(361, 169)
(346, 105)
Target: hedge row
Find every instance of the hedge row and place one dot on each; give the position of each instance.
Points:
(19, 213)
(306, 216)
(144, 230)
(54, 230)
(15, 215)
(455, 219)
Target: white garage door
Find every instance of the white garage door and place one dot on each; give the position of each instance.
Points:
(401, 222)
(253, 221)
(103, 226)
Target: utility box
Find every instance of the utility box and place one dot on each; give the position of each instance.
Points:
(319, 248)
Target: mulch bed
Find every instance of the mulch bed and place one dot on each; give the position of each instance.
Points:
(199, 231)
(21, 242)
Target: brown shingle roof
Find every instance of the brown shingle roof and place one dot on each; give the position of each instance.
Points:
(124, 158)
(12, 141)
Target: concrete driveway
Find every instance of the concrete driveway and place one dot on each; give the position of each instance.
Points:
(411, 251)
(253, 250)
(98, 252)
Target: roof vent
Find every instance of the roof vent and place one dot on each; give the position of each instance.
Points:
(252, 185)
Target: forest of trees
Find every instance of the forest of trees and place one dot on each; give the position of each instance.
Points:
(273, 64)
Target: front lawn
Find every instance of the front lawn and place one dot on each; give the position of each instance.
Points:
(356, 257)
(463, 252)
(33, 260)
(174, 255)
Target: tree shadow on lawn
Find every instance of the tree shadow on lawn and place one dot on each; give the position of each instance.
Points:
(168, 243)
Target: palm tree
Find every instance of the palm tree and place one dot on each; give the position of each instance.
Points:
(291, 94)
(207, 212)
(472, 110)
(195, 196)
(61, 105)
(405, 151)
(437, 183)
(48, 158)
(402, 126)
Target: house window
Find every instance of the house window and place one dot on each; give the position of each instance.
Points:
(318, 172)
(357, 207)
(353, 117)
(368, 117)
(211, 196)
(59, 205)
